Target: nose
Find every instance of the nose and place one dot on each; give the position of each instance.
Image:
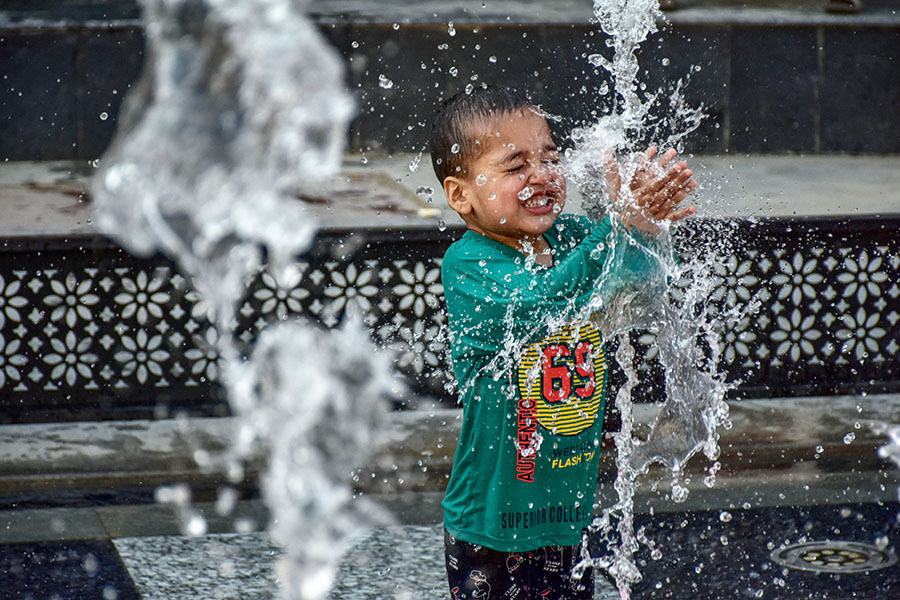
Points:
(540, 174)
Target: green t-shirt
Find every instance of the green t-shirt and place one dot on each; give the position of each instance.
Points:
(532, 376)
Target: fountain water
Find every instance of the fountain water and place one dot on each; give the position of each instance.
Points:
(890, 450)
(674, 300)
(240, 105)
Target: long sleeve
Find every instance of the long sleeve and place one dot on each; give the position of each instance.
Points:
(493, 298)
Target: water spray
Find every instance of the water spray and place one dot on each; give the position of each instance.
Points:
(240, 105)
(672, 296)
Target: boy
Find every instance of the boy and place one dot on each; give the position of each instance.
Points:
(531, 370)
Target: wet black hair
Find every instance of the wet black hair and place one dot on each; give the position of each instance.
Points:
(453, 125)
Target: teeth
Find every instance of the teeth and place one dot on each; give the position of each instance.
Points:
(535, 202)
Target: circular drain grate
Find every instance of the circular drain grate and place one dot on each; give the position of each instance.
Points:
(833, 557)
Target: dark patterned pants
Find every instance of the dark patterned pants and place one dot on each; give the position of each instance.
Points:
(479, 573)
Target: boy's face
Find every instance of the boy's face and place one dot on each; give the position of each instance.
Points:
(514, 190)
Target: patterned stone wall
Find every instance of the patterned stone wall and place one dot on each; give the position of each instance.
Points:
(88, 331)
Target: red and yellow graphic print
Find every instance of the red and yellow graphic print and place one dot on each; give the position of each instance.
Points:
(561, 379)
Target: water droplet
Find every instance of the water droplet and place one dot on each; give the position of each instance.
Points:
(723, 540)
(396, 26)
(848, 439)
(414, 164)
(665, 62)
(526, 193)
(441, 225)
(454, 149)
(493, 196)
(679, 493)
(354, 44)
(656, 554)
(364, 160)
(481, 179)
(454, 71)
(502, 220)
(451, 29)
(195, 526)
(104, 116)
(90, 564)
(385, 82)
(819, 449)
(725, 516)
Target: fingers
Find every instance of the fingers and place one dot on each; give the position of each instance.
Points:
(658, 185)
(680, 214)
(660, 197)
(647, 170)
(667, 157)
(663, 161)
(652, 193)
(613, 180)
(665, 210)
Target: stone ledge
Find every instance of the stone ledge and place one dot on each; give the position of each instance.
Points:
(47, 198)
(467, 13)
(770, 440)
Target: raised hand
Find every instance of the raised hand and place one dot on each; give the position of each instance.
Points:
(658, 187)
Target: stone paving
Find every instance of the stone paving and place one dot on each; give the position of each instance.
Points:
(703, 555)
(787, 475)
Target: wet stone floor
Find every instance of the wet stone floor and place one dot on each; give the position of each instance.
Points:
(704, 556)
(729, 554)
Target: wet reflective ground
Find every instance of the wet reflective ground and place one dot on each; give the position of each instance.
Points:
(707, 555)
(729, 554)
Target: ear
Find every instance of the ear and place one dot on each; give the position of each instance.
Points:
(455, 190)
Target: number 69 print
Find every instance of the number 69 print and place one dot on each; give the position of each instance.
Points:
(565, 376)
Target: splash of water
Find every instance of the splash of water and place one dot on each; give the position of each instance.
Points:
(673, 300)
(891, 450)
(240, 105)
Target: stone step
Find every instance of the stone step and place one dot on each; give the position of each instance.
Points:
(50, 198)
(774, 446)
(773, 77)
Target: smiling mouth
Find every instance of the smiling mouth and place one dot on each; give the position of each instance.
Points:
(537, 200)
